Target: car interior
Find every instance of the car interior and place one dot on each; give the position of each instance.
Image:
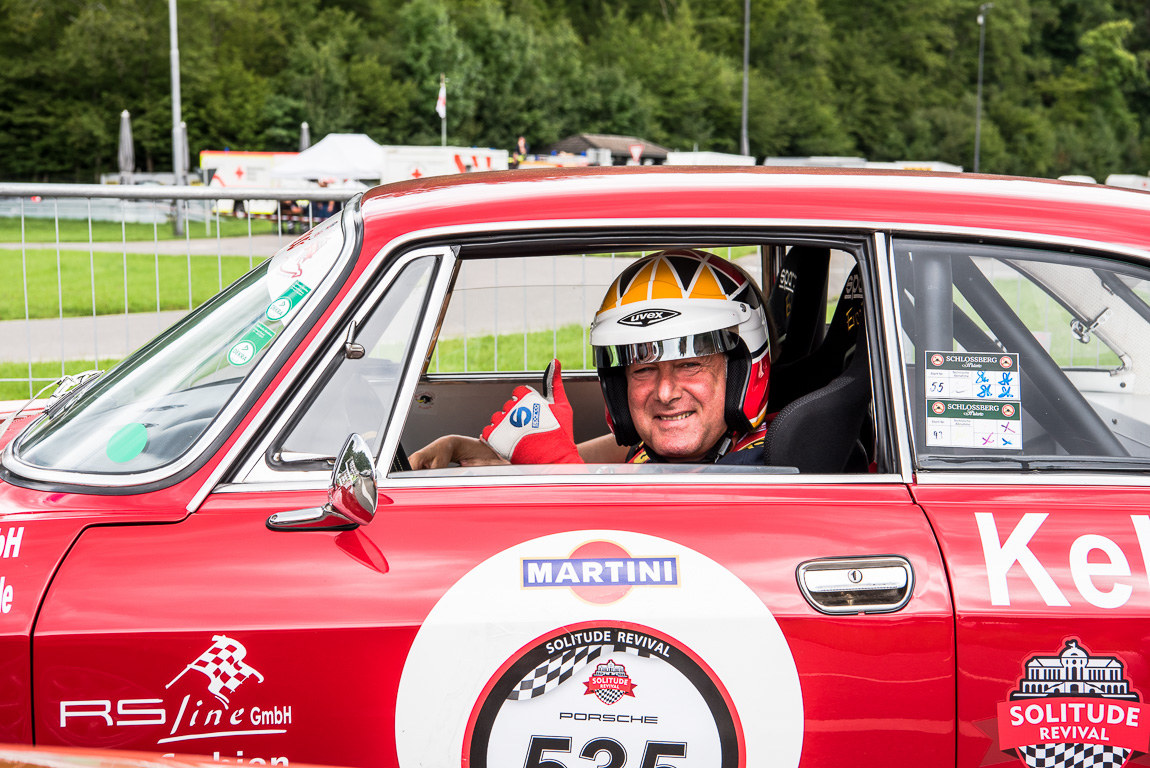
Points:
(820, 380)
(1077, 324)
(512, 305)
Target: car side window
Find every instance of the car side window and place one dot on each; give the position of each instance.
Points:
(360, 383)
(1024, 358)
(510, 311)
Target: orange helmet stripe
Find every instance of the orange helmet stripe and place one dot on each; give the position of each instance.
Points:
(665, 286)
(706, 286)
(640, 286)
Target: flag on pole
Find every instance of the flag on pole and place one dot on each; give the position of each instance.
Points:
(441, 102)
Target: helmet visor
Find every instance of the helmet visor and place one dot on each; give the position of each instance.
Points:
(698, 345)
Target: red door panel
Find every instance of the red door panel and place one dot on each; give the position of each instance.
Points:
(218, 636)
(36, 530)
(1051, 602)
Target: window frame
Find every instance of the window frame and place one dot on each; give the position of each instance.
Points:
(1090, 470)
(261, 467)
(867, 246)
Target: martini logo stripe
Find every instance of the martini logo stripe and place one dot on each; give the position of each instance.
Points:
(597, 571)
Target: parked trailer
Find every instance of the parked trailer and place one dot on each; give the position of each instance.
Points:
(1128, 180)
(246, 170)
(413, 162)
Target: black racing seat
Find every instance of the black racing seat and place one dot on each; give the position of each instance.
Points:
(794, 378)
(819, 432)
(798, 301)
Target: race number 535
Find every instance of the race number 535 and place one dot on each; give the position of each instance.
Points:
(593, 749)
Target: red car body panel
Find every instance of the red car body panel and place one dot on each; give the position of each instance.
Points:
(115, 596)
(221, 571)
(1036, 573)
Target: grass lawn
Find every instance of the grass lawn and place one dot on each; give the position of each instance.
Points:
(76, 231)
(42, 374)
(143, 272)
(568, 344)
(1050, 324)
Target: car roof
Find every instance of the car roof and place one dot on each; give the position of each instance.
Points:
(843, 198)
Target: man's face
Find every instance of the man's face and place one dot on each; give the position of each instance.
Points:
(677, 405)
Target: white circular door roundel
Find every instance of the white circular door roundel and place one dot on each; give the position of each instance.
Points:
(599, 649)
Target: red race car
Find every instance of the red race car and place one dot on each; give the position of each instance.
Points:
(923, 539)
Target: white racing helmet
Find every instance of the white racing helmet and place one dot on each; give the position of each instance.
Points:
(677, 304)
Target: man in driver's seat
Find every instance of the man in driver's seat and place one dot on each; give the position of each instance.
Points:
(682, 349)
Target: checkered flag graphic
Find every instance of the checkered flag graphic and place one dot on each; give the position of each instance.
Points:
(555, 671)
(608, 696)
(223, 665)
(1073, 756)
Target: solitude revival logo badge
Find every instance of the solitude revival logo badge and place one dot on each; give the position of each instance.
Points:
(610, 683)
(1073, 710)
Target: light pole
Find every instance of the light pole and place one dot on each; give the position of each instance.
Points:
(982, 9)
(746, 146)
(177, 134)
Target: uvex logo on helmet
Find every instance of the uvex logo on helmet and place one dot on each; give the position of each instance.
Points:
(648, 317)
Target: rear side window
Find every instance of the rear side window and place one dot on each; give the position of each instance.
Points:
(1024, 358)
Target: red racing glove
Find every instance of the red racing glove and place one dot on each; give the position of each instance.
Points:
(535, 428)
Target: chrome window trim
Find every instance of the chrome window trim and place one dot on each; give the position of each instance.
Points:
(891, 322)
(316, 483)
(352, 225)
(312, 480)
(255, 469)
(1043, 478)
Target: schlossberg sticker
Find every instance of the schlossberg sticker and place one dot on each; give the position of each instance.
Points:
(973, 400)
(1073, 709)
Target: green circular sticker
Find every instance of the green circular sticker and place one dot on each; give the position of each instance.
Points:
(127, 443)
(241, 352)
(278, 309)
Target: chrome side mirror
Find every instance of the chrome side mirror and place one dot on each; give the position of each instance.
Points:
(353, 494)
(351, 499)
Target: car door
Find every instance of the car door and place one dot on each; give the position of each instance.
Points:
(608, 615)
(1031, 446)
(547, 642)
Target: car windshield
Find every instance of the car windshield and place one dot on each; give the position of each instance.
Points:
(149, 410)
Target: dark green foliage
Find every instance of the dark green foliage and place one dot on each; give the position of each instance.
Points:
(1065, 81)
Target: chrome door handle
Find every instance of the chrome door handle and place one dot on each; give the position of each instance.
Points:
(871, 584)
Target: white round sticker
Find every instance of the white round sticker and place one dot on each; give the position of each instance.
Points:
(606, 646)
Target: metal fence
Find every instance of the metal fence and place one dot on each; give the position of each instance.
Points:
(90, 272)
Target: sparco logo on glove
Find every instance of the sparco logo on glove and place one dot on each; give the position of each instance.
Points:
(534, 428)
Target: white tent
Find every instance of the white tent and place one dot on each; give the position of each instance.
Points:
(337, 156)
